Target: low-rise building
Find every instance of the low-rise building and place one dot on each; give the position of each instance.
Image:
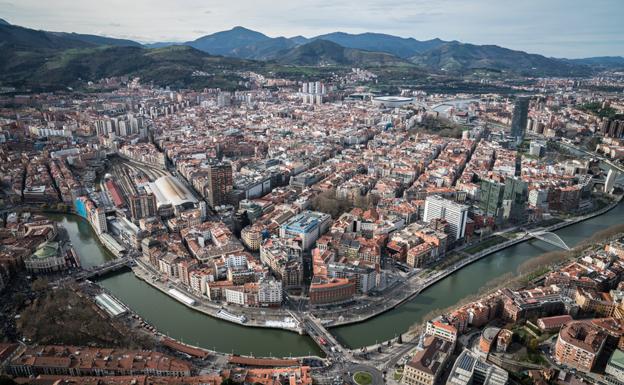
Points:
(549, 324)
(86, 361)
(615, 368)
(469, 369)
(324, 291)
(46, 259)
(438, 327)
(427, 365)
(307, 226)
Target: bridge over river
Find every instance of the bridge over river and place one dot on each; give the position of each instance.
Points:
(189, 326)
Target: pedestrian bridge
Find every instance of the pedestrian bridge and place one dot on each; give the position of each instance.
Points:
(105, 268)
(549, 237)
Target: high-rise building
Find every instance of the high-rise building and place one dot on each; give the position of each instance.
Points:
(519, 118)
(224, 99)
(504, 200)
(491, 198)
(454, 213)
(219, 183)
(100, 221)
(515, 198)
(142, 205)
(610, 181)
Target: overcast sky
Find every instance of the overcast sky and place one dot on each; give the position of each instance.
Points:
(560, 28)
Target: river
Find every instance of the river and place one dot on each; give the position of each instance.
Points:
(182, 323)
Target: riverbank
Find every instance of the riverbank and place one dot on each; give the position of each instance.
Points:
(216, 311)
(395, 302)
(140, 325)
(187, 325)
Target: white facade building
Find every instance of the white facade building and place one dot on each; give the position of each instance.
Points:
(270, 293)
(235, 296)
(454, 213)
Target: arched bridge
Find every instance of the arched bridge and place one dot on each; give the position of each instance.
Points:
(549, 237)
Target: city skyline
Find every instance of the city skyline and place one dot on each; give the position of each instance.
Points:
(571, 29)
(398, 192)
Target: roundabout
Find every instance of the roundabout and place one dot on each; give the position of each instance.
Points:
(362, 378)
(362, 375)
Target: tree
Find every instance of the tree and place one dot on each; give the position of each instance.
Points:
(40, 285)
(327, 202)
(532, 345)
(400, 339)
(228, 381)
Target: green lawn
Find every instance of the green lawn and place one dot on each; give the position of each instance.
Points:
(363, 378)
(495, 240)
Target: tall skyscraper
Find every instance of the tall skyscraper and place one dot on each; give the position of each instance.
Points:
(455, 214)
(515, 198)
(519, 118)
(610, 181)
(491, 198)
(219, 183)
(504, 200)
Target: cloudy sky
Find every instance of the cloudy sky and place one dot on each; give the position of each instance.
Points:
(560, 28)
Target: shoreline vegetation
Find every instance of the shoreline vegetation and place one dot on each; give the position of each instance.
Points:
(528, 272)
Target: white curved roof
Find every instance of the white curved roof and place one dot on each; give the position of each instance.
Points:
(169, 190)
(401, 99)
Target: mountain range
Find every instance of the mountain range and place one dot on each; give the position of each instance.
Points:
(245, 43)
(24, 49)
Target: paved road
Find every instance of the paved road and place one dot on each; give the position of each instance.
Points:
(354, 368)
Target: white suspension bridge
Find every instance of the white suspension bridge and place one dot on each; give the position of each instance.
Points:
(548, 237)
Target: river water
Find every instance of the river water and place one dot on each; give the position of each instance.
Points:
(187, 325)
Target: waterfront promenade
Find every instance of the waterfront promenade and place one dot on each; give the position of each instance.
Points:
(393, 298)
(254, 317)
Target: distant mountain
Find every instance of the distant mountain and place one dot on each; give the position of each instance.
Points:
(299, 39)
(98, 40)
(434, 54)
(226, 42)
(263, 50)
(161, 44)
(245, 43)
(16, 37)
(32, 57)
(600, 61)
(460, 57)
(174, 66)
(323, 52)
(398, 46)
